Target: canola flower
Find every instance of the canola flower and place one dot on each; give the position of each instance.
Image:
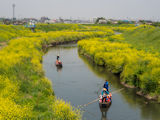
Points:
(64, 111)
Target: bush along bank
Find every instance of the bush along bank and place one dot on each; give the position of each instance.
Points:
(136, 68)
(59, 27)
(65, 36)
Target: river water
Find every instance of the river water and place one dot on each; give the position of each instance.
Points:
(80, 82)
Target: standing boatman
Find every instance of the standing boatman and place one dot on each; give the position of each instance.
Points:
(106, 85)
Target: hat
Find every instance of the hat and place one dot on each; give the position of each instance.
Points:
(104, 89)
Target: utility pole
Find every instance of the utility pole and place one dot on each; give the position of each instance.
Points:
(13, 5)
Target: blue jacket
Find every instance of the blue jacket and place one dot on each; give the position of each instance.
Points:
(106, 85)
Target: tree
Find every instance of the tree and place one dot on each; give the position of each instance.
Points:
(100, 19)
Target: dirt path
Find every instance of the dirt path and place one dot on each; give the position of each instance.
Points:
(2, 45)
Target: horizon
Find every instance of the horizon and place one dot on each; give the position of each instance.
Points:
(84, 9)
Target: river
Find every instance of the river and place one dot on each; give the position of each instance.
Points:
(80, 82)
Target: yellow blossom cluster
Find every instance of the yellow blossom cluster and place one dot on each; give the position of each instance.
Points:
(64, 111)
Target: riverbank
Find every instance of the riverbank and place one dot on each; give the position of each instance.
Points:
(26, 93)
(136, 68)
(147, 96)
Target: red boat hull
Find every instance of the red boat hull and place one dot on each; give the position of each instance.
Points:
(59, 64)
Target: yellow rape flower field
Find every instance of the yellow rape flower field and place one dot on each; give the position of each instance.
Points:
(25, 93)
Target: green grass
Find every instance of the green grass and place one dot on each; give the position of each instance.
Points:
(144, 38)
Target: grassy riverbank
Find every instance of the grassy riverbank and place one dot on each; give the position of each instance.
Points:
(25, 92)
(144, 38)
(137, 68)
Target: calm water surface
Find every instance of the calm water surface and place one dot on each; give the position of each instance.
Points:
(80, 82)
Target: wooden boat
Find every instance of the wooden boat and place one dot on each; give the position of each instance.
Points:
(105, 104)
(58, 64)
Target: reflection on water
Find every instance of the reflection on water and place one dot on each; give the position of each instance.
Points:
(104, 111)
(59, 68)
(80, 81)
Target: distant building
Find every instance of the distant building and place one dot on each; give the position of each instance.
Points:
(7, 21)
(101, 20)
(148, 22)
(68, 21)
(27, 20)
(112, 21)
(50, 21)
(1, 19)
(43, 19)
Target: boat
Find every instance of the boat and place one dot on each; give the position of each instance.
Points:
(105, 104)
(58, 63)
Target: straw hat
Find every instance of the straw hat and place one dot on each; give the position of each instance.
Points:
(104, 89)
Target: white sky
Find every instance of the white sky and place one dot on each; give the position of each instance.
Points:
(118, 9)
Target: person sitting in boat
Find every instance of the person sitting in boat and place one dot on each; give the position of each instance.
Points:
(58, 61)
(104, 91)
(104, 94)
(57, 57)
(110, 96)
(106, 85)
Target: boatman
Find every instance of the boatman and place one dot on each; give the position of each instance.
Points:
(57, 57)
(106, 85)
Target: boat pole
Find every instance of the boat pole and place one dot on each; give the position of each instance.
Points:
(98, 98)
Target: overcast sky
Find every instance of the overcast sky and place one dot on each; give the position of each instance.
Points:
(118, 9)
